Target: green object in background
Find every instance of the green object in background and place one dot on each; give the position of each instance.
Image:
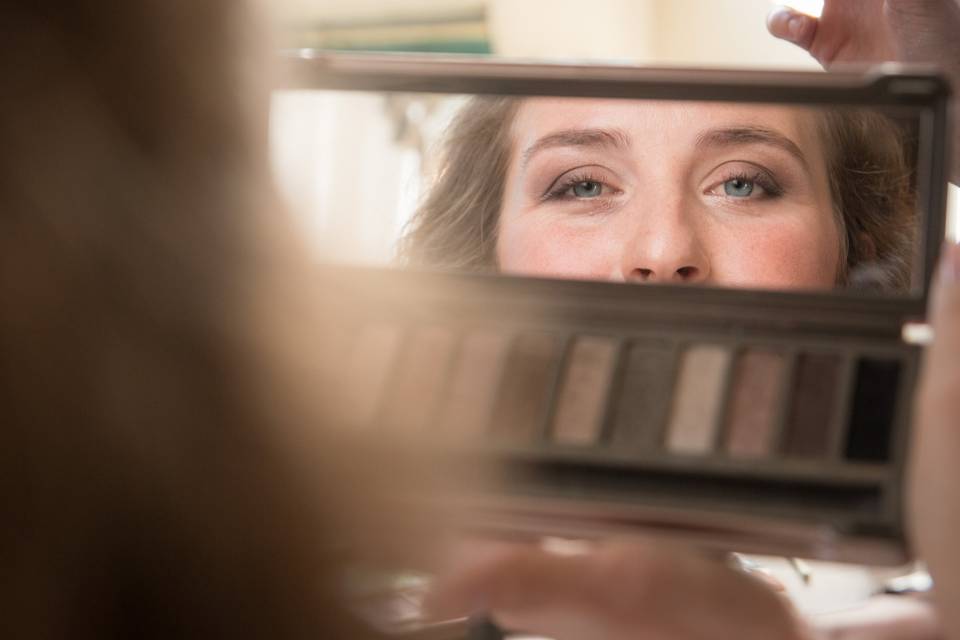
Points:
(462, 33)
(466, 46)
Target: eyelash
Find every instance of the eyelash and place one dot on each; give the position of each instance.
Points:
(559, 192)
(771, 188)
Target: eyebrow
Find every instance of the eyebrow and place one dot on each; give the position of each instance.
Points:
(595, 138)
(744, 135)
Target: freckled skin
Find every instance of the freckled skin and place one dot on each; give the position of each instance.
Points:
(669, 218)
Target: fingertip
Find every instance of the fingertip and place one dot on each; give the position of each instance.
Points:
(440, 602)
(950, 265)
(468, 572)
(946, 288)
(767, 578)
(791, 25)
(777, 21)
(451, 596)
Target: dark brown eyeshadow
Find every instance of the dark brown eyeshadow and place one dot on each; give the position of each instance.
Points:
(812, 413)
(757, 381)
(643, 399)
(583, 394)
(872, 412)
(525, 387)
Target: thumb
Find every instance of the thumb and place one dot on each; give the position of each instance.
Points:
(934, 474)
(791, 25)
(945, 308)
(940, 380)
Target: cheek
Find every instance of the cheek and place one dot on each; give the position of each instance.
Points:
(793, 253)
(532, 245)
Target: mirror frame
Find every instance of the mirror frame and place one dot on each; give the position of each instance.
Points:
(891, 86)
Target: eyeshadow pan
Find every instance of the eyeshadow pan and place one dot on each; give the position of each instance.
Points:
(699, 396)
(757, 381)
(812, 413)
(874, 402)
(466, 409)
(368, 370)
(421, 372)
(643, 398)
(584, 391)
(525, 387)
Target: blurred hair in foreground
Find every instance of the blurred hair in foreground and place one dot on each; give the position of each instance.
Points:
(168, 469)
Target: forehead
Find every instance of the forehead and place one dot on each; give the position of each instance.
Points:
(653, 121)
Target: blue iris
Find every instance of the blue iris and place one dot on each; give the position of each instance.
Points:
(587, 189)
(738, 188)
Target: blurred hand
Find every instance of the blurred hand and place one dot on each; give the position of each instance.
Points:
(870, 31)
(935, 472)
(864, 31)
(637, 589)
(881, 618)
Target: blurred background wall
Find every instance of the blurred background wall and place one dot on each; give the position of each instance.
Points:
(691, 32)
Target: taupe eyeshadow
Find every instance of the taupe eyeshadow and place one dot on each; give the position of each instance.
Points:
(467, 407)
(368, 369)
(643, 399)
(696, 405)
(813, 406)
(420, 375)
(525, 387)
(584, 391)
(754, 402)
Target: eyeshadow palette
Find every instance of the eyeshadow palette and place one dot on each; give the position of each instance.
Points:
(774, 434)
(743, 399)
(752, 420)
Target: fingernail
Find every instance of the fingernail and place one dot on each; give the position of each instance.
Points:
(795, 26)
(950, 264)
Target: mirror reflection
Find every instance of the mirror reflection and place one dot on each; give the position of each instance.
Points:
(639, 191)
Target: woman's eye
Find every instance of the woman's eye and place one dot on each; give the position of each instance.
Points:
(587, 189)
(582, 187)
(738, 187)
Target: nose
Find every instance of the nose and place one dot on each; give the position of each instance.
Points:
(665, 246)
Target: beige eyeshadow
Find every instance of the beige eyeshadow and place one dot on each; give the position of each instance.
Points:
(466, 409)
(699, 396)
(754, 402)
(421, 372)
(368, 369)
(583, 395)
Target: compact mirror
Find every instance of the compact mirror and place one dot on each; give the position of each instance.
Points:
(745, 382)
(802, 181)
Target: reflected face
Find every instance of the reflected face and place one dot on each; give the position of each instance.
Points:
(734, 195)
